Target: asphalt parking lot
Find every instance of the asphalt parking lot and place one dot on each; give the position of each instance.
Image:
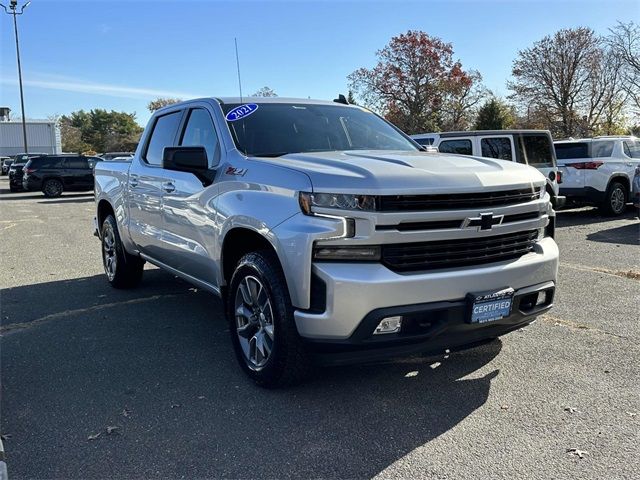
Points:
(99, 383)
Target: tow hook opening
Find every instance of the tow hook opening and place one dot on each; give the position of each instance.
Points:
(536, 300)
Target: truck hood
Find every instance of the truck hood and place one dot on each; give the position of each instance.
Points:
(386, 172)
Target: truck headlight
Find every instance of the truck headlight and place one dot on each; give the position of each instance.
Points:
(339, 201)
(365, 253)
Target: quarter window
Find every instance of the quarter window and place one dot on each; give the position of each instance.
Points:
(498, 147)
(163, 135)
(200, 132)
(536, 150)
(632, 149)
(462, 147)
(601, 149)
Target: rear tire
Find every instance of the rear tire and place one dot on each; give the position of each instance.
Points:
(122, 269)
(12, 189)
(615, 200)
(260, 315)
(52, 188)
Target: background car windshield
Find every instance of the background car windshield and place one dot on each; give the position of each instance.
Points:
(279, 128)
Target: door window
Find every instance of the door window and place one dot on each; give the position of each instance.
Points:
(163, 135)
(497, 147)
(76, 163)
(462, 147)
(201, 132)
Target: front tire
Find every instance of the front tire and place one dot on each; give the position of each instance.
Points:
(615, 201)
(122, 269)
(260, 315)
(52, 188)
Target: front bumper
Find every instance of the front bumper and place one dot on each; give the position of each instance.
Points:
(16, 182)
(429, 328)
(354, 291)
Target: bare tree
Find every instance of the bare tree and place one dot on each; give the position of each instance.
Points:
(265, 92)
(158, 103)
(624, 40)
(553, 76)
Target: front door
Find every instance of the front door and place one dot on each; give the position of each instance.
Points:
(188, 212)
(146, 186)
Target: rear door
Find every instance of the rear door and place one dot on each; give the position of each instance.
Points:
(77, 173)
(189, 226)
(146, 185)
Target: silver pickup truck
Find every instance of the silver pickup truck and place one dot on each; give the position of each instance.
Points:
(331, 236)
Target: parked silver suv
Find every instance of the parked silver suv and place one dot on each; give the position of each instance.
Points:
(329, 234)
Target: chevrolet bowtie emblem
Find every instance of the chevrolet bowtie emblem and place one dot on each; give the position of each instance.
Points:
(485, 221)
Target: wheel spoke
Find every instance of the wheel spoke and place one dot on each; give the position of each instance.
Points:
(244, 290)
(269, 331)
(247, 330)
(253, 290)
(253, 351)
(243, 311)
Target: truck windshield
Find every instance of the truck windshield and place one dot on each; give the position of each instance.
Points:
(275, 129)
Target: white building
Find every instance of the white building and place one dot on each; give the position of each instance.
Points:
(43, 136)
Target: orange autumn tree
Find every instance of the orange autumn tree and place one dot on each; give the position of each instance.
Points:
(418, 85)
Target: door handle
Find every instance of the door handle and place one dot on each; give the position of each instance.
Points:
(133, 181)
(168, 187)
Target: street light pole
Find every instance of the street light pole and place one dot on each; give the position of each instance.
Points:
(13, 6)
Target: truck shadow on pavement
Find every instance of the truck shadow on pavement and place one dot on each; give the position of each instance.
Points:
(626, 234)
(587, 216)
(157, 364)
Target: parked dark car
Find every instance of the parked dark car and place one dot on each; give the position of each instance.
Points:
(5, 164)
(113, 155)
(54, 174)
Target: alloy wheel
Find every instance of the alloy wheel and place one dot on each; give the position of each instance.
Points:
(109, 256)
(617, 200)
(254, 321)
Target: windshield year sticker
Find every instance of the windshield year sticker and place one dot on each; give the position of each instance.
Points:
(241, 111)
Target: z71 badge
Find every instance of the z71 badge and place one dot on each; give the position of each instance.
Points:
(236, 171)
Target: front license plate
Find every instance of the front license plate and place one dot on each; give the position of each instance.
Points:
(490, 307)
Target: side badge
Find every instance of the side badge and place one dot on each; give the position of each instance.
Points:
(239, 172)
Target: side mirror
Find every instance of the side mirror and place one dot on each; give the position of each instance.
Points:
(188, 159)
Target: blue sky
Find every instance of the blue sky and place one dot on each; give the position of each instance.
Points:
(121, 54)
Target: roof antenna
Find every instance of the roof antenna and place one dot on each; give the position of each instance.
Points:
(238, 65)
(341, 99)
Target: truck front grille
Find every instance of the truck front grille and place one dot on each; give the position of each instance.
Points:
(398, 203)
(457, 253)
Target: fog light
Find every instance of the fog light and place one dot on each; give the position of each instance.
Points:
(389, 325)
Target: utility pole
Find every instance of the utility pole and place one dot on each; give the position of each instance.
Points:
(13, 10)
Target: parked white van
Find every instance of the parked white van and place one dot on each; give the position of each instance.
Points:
(531, 147)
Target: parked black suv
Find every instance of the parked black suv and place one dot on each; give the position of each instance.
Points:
(15, 169)
(54, 174)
